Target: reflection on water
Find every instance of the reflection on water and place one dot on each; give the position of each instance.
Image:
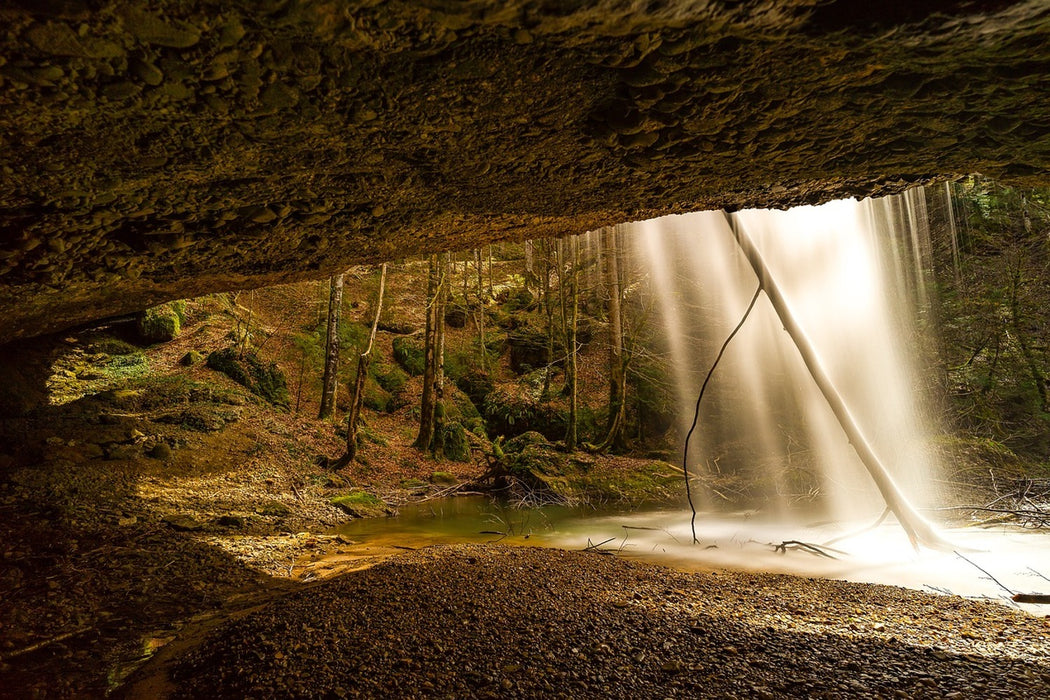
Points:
(1019, 560)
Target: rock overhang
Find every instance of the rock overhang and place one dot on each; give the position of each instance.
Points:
(167, 149)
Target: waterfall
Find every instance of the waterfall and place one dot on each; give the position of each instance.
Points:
(854, 276)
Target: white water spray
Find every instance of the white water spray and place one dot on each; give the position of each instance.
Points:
(766, 418)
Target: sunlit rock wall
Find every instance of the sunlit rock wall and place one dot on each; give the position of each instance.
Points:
(153, 150)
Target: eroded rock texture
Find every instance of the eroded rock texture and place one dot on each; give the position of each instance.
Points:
(153, 150)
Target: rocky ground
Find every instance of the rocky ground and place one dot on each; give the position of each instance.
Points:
(492, 621)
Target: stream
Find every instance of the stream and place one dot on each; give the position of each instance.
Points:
(985, 562)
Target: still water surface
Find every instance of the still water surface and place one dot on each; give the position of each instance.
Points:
(1018, 560)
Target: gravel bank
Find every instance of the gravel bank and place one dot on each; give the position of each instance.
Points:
(492, 621)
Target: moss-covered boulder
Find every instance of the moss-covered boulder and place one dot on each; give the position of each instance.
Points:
(409, 353)
(455, 445)
(361, 504)
(193, 357)
(264, 380)
(160, 323)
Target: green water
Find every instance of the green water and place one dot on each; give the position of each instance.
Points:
(478, 519)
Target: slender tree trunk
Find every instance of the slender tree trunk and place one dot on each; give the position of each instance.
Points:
(530, 264)
(549, 309)
(480, 318)
(437, 444)
(358, 394)
(571, 437)
(426, 407)
(331, 348)
(617, 373)
(491, 293)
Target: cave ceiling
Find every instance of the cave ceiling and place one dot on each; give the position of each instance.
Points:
(157, 150)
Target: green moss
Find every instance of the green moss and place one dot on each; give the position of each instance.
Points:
(376, 397)
(109, 345)
(454, 443)
(191, 358)
(360, 504)
(264, 380)
(160, 323)
(443, 478)
(390, 377)
(409, 353)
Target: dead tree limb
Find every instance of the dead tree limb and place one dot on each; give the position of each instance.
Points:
(919, 531)
(696, 411)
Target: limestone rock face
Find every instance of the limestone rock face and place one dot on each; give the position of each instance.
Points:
(156, 150)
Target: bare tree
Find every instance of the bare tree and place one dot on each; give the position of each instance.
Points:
(358, 392)
(427, 403)
(331, 354)
(617, 370)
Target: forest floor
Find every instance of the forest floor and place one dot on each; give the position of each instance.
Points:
(147, 502)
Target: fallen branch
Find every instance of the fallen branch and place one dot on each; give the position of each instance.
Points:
(805, 546)
(45, 643)
(696, 411)
(1032, 598)
(997, 582)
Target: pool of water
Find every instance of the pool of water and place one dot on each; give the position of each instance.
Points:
(985, 562)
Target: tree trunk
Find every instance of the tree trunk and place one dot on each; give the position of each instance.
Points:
(548, 307)
(331, 348)
(617, 371)
(571, 437)
(358, 394)
(437, 445)
(479, 319)
(918, 530)
(426, 407)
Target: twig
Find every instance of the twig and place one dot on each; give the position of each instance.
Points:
(1038, 574)
(46, 642)
(1012, 593)
(696, 411)
(594, 547)
(796, 544)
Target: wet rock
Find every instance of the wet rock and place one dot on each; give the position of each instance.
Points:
(151, 29)
(56, 39)
(182, 522)
(146, 72)
(161, 451)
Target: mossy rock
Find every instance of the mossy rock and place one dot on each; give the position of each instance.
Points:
(477, 385)
(361, 504)
(191, 358)
(456, 316)
(454, 443)
(109, 345)
(519, 443)
(159, 324)
(391, 377)
(264, 380)
(274, 508)
(376, 397)
(410, 354)
(443, 479)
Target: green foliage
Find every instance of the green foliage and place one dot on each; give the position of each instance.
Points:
(409, 353)
(994, 317)
(513, 412)
(265, 380)
(160, 323)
